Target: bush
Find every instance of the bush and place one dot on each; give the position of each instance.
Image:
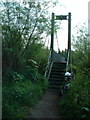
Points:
(77, 97)
(10, 107)
(20, 94)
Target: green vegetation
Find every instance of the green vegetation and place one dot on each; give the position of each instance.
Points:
(24, 55)
(24, 27)
(21, 94)
(75, 104)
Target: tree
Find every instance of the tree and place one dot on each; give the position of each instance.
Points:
(76, 102)
(23, 25)
(81, 51)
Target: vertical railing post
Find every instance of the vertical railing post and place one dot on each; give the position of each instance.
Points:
(69, 37)
(52, 35)
(69, 31)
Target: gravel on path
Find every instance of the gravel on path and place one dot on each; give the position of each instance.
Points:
(47, 107)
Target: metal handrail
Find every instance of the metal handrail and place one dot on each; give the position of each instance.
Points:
(68, 57)
(69, 63)
(48, 67)
(49, 71)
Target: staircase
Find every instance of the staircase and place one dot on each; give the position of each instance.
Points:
(56, 76)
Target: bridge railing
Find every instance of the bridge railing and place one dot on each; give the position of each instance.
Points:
(69, 64)
(68, 59)
(49, 65)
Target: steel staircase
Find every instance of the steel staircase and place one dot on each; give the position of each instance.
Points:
(56, 75)
(55, 71)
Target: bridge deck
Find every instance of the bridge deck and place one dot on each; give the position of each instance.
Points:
(57, 57)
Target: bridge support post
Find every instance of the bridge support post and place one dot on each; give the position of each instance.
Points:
(69, 38)
(52, 35)
(69, 31)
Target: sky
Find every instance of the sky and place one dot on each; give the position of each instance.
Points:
(79, 11)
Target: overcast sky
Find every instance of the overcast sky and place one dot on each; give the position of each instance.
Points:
(79, 11)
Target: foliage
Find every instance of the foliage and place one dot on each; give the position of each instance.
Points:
(24, 27)
(24, 55)
(80, 55)
(39, 54)
(77, 97)
(75, 103)
(22, 30)
(22, 87)
(22, 93)
(18, 95)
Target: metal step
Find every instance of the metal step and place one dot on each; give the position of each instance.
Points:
(53, 90)
(56, 77)
(57, 73)
(58, 70)
(54, 87)
(55, 83)
(60, 63)
(58, 67)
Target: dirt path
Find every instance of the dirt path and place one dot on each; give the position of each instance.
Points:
(47, 107)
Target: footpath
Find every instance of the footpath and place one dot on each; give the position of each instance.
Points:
(47, 107)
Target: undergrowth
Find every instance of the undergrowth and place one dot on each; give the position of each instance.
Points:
(21, 91)
(75, 104)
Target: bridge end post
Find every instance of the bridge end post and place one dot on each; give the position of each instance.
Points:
(52, 35)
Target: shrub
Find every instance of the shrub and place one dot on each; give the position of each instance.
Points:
(77, 97)
(21, 93)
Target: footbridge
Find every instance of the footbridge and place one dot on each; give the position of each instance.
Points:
(57, 66)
